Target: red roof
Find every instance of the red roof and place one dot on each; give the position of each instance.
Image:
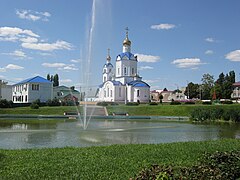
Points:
(236, 84)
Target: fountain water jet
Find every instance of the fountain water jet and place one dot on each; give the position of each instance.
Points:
(85, 118)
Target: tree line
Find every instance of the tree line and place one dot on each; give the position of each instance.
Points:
(54, 79)
(210, 88)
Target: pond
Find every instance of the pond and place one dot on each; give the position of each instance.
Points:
(107, 132)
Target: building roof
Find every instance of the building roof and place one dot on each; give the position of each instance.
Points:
(115, 83)
(36, 79)
(138, 83)
(108, 64)
(129, 55)
(236, 83)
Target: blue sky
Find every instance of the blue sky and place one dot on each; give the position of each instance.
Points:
(176, 41)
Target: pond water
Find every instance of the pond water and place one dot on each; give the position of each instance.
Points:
(107, 132)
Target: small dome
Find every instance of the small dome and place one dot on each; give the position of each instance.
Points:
(127, 41)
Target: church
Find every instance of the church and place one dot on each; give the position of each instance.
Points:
(122, 83)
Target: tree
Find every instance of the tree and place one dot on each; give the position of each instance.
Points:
(55, 80)
(207, 85)
(160, 98)
(72, 87)
(48, 77)
(192, 90)
(51, 79)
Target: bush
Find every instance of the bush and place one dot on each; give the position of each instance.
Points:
(5, 103)
(218, 165)
(132, 104)
(207, 102)
(34, 106)
(54, 102)
(153, 103)
(227, 102)
(102, 104)
(175, 103)
(189, 102)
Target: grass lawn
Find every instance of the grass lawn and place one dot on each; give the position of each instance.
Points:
(109, 162)
(162, 110)
(46, 110)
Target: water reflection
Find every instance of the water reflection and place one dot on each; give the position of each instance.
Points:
(106, 132)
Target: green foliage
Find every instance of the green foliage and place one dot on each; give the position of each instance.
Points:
(5, 103)
(192, 90)
(189, 102)
(218, 165)
(227, 102)
(215, 113)
(107, 162)
(132, 104)
(53, 102)
(207, 102)
(175, 103)
(153, 103)
(34, 106)
(102, 103)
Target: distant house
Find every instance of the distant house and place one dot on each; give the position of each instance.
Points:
(236, 90)
(64, 93)
(5, 91)
(32, 89)
(168, 96)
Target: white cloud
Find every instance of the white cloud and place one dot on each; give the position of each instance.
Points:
(48, 46)
(14, 34)
(75, 60)
(233, 55)
(29, 40)
(209, 52)
(147, 58)
(65, 80)
(191, 63)
(61, 66)
(144, 68)
(17, 54)
(54, 65)
(210, 39)
(152, 81)
(33, 15)
(13, 66)
(163, 26)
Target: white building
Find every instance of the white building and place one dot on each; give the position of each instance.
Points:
(32, 89)
(123, 85)
(5, 91)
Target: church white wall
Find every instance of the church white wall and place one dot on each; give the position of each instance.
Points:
(144, 93)
(126, 68)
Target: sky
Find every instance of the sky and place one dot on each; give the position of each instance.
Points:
(176, 41)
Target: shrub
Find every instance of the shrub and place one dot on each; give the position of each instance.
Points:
(132, 104)
(227, 102)
(153, 103)
(175, 103)
(54, 102)
(102, 103)
(218, 165)
(189, 102)
(5, 103)
(200, 114)
(34, 106)
(207, 102)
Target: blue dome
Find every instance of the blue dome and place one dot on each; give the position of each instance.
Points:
(129, 55)
(138, 83)
(108, 65)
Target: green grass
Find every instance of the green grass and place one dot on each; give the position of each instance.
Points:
(110, 162)
(46, 110)
(162, 110)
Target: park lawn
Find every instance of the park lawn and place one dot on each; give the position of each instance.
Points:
(106, 162)
(46, 110)
(162, 110)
